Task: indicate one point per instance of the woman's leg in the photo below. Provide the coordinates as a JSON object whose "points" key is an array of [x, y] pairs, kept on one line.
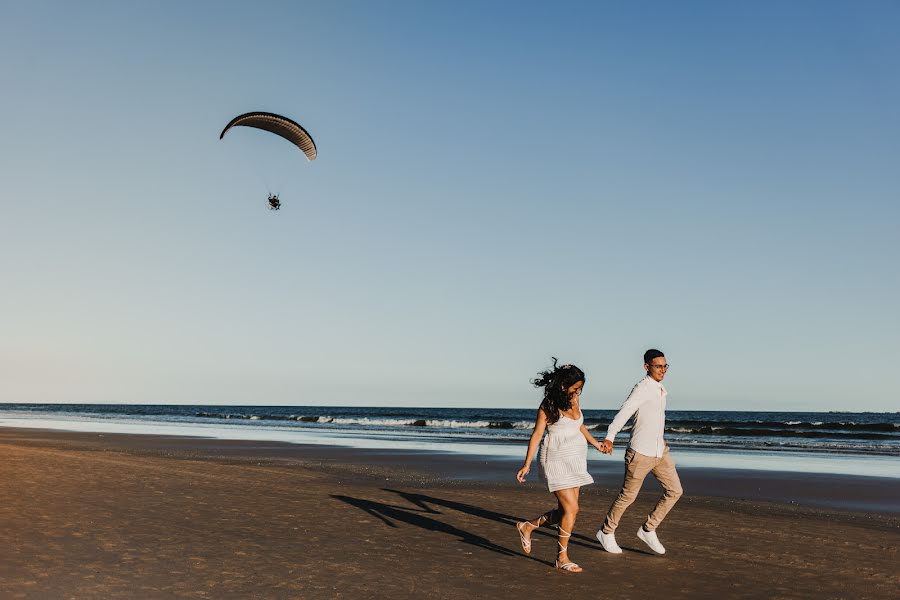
{"points": [[568, 502], [549, 518], [526, 528]]}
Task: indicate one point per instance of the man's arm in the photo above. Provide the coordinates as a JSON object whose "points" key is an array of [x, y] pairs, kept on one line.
{"points": [[629, 407]]}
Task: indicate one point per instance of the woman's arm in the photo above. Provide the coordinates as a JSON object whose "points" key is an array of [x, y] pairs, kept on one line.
{"points": [[590, 438], [540, 424]]}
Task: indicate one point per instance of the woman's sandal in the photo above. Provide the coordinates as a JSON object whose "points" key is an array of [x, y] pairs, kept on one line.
{"points": [[526, 541], [568, 566]]}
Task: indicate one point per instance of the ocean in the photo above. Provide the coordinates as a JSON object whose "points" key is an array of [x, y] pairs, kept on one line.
{"points": [[850, 442]]}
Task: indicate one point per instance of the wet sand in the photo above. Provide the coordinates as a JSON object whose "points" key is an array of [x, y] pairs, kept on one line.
{"points": [[113, 516]]}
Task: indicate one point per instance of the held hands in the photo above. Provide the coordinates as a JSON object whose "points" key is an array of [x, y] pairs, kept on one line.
{"points": [[520, 476], [606, 447]]}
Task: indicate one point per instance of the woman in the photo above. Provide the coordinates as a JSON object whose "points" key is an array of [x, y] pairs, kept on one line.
{"points": [[563, 455]]}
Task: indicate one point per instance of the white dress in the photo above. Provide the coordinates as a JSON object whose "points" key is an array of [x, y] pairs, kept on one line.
{"points": [[563, 455]]}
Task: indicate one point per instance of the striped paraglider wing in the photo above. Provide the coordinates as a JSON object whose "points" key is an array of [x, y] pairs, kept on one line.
{"points": [[281, 126]]}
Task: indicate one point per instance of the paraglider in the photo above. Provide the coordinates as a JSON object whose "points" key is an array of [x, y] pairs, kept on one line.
{"points": [[280, 126]]}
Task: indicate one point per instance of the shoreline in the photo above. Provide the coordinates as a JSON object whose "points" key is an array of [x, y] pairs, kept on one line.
{"points": [[722, 456], [808, 438], [119, 516], [839, 492]]}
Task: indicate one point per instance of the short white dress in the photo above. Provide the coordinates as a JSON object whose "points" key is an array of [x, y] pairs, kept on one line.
{"points": [[563, 455]]}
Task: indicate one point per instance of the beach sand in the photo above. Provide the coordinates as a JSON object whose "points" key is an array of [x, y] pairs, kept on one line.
{"points": [[114, 516]]}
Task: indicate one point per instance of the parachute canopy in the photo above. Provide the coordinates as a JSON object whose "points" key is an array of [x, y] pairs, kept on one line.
{"points": [[282, 126]]}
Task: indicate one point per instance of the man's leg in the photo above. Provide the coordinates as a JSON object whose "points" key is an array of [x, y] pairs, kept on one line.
{"points": [[636, 468], [667, 476]]}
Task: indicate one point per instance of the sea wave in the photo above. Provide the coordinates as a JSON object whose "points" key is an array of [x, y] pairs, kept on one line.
{"points": [[735, 432], [721, 428], [374, 422], [884, 426]]}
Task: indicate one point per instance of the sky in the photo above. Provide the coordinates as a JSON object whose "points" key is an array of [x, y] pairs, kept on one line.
{"points": [[497, 183]]}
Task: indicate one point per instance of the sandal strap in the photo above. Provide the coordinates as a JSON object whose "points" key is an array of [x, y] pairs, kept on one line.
{"points": [[569, 566], [526, 542], [563, 534]]}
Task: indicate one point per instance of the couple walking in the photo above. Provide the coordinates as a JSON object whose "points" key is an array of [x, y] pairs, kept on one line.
{"points": [[563, 455]]}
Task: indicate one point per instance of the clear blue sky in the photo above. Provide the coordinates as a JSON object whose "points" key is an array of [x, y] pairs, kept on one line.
{"points": [[496, 183]]}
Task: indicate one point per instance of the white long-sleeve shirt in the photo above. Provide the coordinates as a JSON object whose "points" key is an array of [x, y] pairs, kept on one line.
{"points": [[647, 402]]}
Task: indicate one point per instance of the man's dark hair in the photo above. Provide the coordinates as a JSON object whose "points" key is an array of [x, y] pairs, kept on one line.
{"points": [[652, 353]]}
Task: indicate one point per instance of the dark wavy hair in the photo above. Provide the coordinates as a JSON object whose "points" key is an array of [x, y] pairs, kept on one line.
{"points": [[556, 382]]}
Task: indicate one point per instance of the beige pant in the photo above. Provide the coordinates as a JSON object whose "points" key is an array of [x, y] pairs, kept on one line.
{"points": [[637, 466]]}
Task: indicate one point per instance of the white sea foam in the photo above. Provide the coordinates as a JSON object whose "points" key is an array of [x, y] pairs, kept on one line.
{"points": [[366, 421], [458, 424]]}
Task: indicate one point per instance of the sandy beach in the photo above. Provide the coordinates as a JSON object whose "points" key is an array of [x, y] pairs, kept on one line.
{"points": [[116, 516]]}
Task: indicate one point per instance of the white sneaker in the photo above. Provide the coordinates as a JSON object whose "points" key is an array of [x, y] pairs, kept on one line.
{"points": [[649, 538], [608, 541]]}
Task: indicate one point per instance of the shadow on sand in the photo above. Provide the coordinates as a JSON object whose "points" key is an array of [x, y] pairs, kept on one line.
{"points": [[423, 502], [389, 513], [421, 506]]}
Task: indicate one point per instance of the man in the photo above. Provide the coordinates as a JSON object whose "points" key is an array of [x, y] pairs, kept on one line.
{"points": [[647, 453]]}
